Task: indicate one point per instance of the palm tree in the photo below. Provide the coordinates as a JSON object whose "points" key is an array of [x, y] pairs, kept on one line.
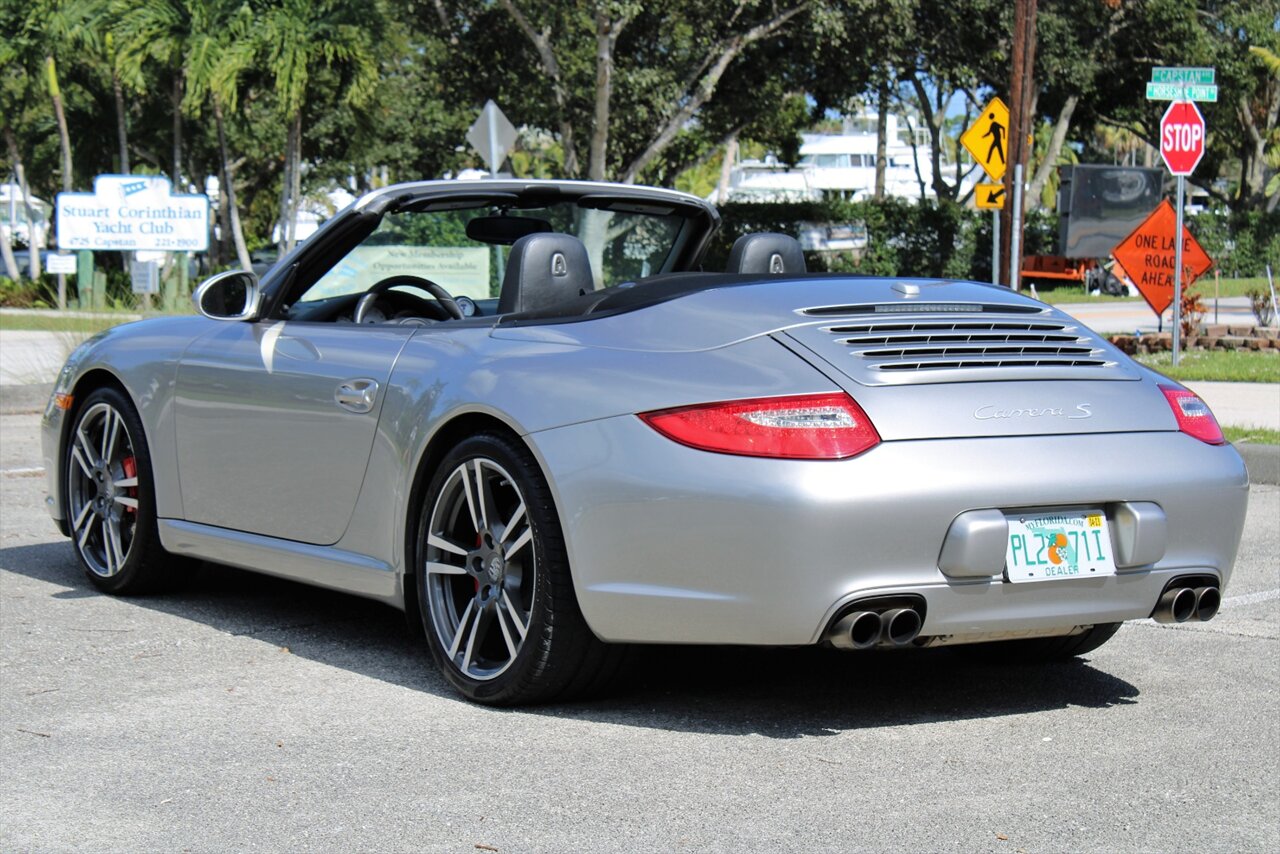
{"points": [[220, 51], [296, 38], [52, 27], [156, 31]]}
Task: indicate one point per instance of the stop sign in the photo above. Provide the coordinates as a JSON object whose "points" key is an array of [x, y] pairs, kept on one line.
{"points": [[1182, 137]]}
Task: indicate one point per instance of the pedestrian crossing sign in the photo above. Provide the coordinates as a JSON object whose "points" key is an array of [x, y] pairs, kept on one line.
{"points": [[987, 139]]}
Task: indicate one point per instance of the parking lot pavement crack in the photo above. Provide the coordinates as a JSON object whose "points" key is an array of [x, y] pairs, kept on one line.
{"points": [[249, 633]]}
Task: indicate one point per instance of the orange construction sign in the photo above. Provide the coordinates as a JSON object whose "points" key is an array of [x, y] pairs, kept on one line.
{"points": [[1147, 256]]}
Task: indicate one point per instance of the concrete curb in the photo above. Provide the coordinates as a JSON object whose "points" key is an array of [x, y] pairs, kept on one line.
{"points": [[17, 399], [1263, 462]]}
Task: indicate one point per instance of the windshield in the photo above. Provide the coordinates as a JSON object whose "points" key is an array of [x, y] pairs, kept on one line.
{"points": [[622, 246]]}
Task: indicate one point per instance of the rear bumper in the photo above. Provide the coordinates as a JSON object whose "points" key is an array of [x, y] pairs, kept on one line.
{"points": [[670, 544]]}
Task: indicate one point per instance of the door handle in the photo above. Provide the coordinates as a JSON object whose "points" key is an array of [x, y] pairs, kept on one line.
{"points": [[357, 395]]}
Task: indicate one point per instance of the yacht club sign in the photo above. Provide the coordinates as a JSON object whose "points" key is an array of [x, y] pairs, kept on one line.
{"points": [[133, 212]]}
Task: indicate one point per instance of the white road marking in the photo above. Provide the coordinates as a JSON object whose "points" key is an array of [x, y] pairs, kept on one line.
{"points": [[1250, 598], [22, 472]]}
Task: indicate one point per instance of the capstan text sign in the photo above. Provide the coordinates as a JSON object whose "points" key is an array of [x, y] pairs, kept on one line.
{"points": [[133, 212]]}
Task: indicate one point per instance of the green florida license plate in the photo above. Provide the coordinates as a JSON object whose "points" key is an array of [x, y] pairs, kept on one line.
{"points": [[1055, 546]]}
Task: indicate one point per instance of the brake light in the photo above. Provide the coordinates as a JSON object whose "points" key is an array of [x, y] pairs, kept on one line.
{"points": [[805, 427], [1194, 417]]}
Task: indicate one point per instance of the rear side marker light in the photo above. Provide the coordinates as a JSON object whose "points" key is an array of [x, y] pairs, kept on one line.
{"points": [[805, 427], [1193, 415]]}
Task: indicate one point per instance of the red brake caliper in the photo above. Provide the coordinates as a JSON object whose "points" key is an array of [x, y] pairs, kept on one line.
{"points": [[130, 466]]}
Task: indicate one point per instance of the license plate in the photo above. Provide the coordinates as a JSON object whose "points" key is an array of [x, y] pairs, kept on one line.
{"points": [[1055, 546]]}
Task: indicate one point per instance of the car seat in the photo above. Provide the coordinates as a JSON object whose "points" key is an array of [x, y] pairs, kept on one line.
{"points": [[766, 254], [542, 270]]}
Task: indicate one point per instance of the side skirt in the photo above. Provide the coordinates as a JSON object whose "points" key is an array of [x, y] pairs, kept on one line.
{"points": [[322, 566]]}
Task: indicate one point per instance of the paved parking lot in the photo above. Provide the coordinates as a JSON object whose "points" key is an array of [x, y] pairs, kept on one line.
{"points": [[251, 714]]}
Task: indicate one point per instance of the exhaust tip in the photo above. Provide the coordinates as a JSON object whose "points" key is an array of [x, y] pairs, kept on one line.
{"points": [[1176, 606], [900, 626], [858, 630], [1208, 601]]}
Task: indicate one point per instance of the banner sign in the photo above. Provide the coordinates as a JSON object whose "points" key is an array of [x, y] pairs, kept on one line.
{"points": [[131, 212]]}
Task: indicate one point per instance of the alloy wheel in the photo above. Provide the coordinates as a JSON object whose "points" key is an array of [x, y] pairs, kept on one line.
{"points": [[102, 489], [480, 568]]}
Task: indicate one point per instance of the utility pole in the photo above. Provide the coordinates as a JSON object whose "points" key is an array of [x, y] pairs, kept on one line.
{"points": [[1022, 92]]}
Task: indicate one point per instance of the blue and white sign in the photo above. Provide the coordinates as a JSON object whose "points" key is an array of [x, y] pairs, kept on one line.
{"points": [[132, 212]]}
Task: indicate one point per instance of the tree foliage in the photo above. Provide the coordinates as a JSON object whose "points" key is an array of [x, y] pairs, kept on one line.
{"points": [[283, 99]]}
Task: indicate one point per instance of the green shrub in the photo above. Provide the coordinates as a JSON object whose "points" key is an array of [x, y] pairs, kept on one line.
{"points": [[24, 294], [931, 238], [1241, 244]]}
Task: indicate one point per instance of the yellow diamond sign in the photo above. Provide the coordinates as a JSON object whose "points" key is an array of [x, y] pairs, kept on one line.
{"points": [[987, 139], [989, 196]]}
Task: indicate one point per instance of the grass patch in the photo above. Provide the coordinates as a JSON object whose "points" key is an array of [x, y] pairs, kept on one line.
{"points": [[1205, 287], [53, 321], [1072, 293], [1232, 287], [1231, 366], [1251, 435]]}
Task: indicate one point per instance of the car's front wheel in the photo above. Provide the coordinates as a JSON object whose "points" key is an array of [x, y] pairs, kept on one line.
{"points": [[497, 600], [111, 498]]}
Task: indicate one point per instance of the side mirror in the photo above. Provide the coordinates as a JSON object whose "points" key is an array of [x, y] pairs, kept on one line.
{"points": [[232, 295]]}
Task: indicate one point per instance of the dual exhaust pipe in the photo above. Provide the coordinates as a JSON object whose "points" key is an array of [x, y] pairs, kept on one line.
{"points": [[865, 629], [1179, 604]]}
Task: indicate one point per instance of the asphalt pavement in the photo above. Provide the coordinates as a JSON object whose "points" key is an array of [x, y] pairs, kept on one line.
{"points": [[243, 713]]}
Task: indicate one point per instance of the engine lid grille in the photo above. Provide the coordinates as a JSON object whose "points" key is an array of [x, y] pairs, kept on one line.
{"points": [[958, 344]]}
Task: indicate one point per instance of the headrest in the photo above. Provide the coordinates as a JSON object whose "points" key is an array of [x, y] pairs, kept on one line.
{"points": [[542, 270], [766, 254]]}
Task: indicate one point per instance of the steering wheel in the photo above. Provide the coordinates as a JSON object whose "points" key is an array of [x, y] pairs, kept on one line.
{"points": [[442, 297]]}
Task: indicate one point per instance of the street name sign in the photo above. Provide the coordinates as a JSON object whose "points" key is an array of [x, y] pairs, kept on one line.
{"points": [[1166, 74], [132, 212], [1148, 257], [1181, 92], [1182, 135], [987, 139], [989, 196]]}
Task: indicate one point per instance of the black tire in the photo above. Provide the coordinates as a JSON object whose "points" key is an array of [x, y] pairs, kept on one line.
{"points": [[497, 600], [109, 498], [1040, 650]]}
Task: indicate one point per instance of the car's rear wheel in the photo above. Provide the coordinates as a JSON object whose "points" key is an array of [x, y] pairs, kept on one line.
{"points": [[497, 600], [111, 497], [1033, 650]]}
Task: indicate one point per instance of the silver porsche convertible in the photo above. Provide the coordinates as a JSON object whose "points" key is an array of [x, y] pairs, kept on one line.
{"points": [[523, 412]]}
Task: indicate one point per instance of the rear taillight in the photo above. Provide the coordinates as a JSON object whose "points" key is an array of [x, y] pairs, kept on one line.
{"points": [[1194, 417], [806, 427]]}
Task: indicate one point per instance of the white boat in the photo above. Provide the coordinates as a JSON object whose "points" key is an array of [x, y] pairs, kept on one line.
{"points": [[843, 165], [15, 224]]}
